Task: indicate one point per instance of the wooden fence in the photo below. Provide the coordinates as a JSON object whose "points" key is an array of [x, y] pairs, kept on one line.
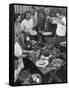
{"points": [[22, 9]]}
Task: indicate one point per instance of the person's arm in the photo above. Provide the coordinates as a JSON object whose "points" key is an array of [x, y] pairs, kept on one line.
{"points": [[60, 21], [17, 49], [36, 15], [45, 26], [35, 19], [64, 20], [22, 25]]}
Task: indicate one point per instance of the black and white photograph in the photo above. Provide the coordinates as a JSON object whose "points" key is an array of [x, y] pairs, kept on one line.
{"points": [[38, 39]]}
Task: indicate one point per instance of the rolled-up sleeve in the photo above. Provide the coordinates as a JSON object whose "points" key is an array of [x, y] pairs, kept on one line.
{"points": [[22, 25], [17, 50], [64, 20]]}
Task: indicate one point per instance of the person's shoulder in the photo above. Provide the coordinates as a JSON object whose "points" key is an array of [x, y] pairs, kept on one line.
{"points": [[23, 21], [64, 18]]}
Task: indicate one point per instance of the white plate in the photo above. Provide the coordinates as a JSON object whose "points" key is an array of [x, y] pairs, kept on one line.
{"points": [[47, 33], [42, 63], [63, 43], [33, 33]]}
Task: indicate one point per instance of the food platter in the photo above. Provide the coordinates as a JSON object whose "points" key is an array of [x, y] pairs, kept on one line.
{"points": [[42, 63], [56, 62]]}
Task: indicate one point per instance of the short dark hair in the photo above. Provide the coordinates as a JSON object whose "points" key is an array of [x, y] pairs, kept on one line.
{"points": [[16, 16], [61, 12], [26, 13]]}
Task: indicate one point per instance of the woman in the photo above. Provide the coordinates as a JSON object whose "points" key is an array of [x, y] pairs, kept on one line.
{"points": [[18, 34], [17, 25], [17, 47]]}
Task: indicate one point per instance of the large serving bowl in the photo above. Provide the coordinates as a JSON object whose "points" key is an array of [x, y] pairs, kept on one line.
{"points": [[46, 52]]}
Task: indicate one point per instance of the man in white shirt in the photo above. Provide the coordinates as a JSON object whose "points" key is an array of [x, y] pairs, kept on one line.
{"points": [[61, 28], [61, 25], [27, 23]]}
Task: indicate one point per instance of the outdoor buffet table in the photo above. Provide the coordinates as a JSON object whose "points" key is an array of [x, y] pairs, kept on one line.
{"points": [[35, 49], [50, 66], [54, 61]]}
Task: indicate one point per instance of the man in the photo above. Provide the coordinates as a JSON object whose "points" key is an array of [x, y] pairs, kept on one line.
{"points": [[27, 26], [41, 21], [60, 20], [27, 23]]}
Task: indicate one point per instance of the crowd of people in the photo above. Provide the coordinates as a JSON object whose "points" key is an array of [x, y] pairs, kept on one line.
{"points": [[32, 27]]}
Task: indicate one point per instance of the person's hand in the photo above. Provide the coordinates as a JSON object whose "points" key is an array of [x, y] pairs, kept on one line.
{"points": [[47, 18]]}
